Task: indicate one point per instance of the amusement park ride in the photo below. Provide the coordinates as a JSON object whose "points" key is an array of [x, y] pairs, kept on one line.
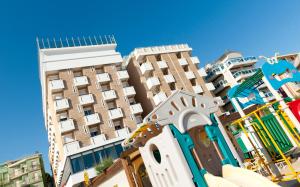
{"points": [[183, 143]]}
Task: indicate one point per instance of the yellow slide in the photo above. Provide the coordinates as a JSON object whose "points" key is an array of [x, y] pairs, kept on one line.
{"points": [[238, 177]]}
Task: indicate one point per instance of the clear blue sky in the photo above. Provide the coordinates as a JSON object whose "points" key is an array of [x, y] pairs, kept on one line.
{"points": [[209, 26]]}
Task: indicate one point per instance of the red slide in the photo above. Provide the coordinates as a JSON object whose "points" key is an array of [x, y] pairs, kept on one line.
{"points": [[295, 108]]}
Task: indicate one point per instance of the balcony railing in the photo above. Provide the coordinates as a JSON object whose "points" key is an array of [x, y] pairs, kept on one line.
{"points": [[61, 105], [182, 61], [99, 139], [71, 147], [210, 86], [103, 77], [129, 91], [146, 67], [56, 85], [152, 82], [195, 60], [86, 99], [66, 126], [202, 72], [122, 133], [92, 119], [81, 81], [197, 89], [115, 113], [123, 75], [109, 95], [169, 78], [162, 64], [190, 75], [136, 108], [160, 97]]}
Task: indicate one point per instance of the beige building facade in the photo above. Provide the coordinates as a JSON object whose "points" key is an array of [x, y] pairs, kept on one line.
{"points": [[156, 72], [88, 104]]}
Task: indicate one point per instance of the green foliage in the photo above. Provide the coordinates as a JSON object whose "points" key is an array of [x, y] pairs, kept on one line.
{"points": [[106, 163]]}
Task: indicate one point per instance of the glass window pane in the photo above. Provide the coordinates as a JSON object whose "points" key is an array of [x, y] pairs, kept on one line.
{"points": [[77, 164], [119, 149], [111, 152], [88, 160], [99, 156]]}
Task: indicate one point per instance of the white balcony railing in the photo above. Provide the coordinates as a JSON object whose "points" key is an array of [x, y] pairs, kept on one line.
{"points": [[71, 147], [56, 85], [129, 91], [115, 113], [92, 119], [146, 67], [182, 61], [109, 95], [103, 77], [99, 139], [86, 99], [190, 75], [81, 81], [197, 89], [210, 86], [122, 133], [136, 108], [160, 97], [152, 82], [61, 104], [202, 72], [195, 60], [123, 75], [66, 126], [169, 78], [162, 64]]}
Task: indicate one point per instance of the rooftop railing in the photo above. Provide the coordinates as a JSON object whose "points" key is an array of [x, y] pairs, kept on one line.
{"points": [[48, 43]]}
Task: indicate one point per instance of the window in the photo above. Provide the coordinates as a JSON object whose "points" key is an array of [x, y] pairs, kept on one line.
{"points": [[105, 87], [88, 159], [77, 73], [131, 101], [172, 86], [100, 70], [158, 58], [88, 111], [178, 55], [185, 68], [111, 152], [77, 163], [193, 82], [63, 116], [94, 131], [99, 155], [165, 71], [119, 149], [125, 84], [111, 105], [83, 91]]}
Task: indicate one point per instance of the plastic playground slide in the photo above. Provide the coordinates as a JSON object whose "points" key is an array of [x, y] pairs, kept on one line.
{"points": [[235, 176]]}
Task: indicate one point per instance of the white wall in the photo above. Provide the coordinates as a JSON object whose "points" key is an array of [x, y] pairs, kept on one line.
{"points": [[118, 180]]}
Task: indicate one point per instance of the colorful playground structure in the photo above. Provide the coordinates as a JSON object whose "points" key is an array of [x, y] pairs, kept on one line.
{"points": [[183, 143]]}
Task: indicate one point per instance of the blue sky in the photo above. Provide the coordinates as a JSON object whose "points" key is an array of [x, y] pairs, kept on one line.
{"points": [[210, 27]]}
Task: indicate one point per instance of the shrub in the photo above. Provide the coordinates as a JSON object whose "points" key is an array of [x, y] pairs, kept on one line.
{"points": [[106, 163]]}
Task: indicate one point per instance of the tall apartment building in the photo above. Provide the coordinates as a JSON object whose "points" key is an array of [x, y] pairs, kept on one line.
{"points": [[229, 70], [89, 106], [156, 72], [292, 89], [27, 171]]}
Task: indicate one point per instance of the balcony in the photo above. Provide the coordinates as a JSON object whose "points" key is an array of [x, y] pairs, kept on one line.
{"points": [[56, 85], [80, 81], [169, 78], [243, 74], [182, 61], [109, 95], [99, 139], [115, 113], [202, 72], [220, 86], [129, 91], [103, 78], [210, 86], [136, 108], [162, 64], [71, 147], [146, 67], [240, 61], [197, 89], [86, 99], [195, 60], [92, 119], [122, 133], [160, 97], [190, 75], [66, 126], [123, 75], [61, 105], [152, 82]]}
